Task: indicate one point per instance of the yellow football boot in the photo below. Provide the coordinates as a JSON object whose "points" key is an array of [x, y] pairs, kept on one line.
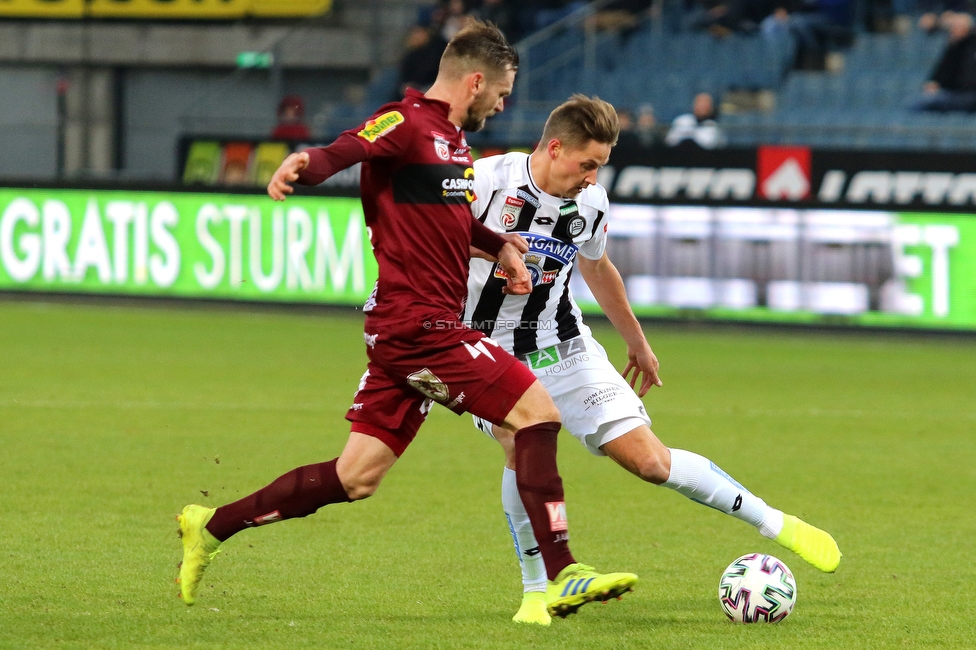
{"points": [[579, 584], [199, 549], [809, 542], [533, 609]]}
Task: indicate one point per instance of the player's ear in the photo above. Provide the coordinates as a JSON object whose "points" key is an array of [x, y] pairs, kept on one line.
{"points": [[554, 148], [476, 82]]}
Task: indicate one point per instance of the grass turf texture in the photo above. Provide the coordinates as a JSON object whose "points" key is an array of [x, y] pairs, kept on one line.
{"points": [[113, 418]]}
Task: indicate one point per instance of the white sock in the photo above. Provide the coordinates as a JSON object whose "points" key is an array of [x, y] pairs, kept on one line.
{"points": [[703, 481], [534, 575]]}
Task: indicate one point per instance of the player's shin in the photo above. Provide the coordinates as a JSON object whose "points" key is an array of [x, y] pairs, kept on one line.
{"points": [[541, 490], [298, 493], [526, 548], [703, 481]]}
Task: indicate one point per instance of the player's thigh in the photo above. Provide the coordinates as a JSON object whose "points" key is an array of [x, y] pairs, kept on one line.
{"points": [[535, 406], [386, 409], [596, 403], [640, 452]]}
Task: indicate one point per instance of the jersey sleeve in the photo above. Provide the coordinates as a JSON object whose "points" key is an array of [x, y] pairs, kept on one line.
{"points": [[387, 134], [596, 246]]}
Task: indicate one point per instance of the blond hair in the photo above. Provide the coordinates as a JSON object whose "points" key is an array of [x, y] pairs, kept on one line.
{"points": [[581, 119]]}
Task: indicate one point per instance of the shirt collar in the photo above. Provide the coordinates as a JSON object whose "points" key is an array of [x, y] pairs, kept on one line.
{"points": [[417, 96]]}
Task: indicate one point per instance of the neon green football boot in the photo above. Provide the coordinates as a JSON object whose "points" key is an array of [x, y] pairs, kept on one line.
{"points": [[533, 609], [579, 584], [199, 549], [809, 542]]}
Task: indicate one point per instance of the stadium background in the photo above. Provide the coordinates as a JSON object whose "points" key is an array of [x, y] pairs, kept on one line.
{"points": [[135, 140]]}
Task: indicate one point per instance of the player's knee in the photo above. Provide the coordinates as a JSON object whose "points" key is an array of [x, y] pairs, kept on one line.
{"points": [[359, 486], [358, 490], [655, 466]]}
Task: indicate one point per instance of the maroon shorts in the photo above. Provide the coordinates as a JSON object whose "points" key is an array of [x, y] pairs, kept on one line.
{"points": [[459, 368]]}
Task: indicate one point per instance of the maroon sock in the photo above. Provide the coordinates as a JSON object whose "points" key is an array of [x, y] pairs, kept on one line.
{"points": [[541, 490], [298, 493]]}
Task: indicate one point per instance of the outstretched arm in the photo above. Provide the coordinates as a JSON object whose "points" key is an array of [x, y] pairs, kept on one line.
{"points": [[607, 286]]}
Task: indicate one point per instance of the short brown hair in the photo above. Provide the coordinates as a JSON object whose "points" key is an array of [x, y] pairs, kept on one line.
{"points": [[581, 119], [479, 46]]}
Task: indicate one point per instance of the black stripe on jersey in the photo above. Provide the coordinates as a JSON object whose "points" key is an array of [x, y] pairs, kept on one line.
{"points": [[433, 184], [567, 326], [596, 222], [486, 311], [528, 174], [527, 214], [484, 215], [527, 333], [567, 213]]}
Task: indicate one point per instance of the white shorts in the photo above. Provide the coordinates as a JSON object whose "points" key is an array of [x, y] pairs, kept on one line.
{"points": [[596, 404]]}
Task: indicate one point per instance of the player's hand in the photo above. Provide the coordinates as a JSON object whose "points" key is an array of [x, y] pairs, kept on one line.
{"points": [[516, 240], [642, 361], [287, 173], [510, 259]]}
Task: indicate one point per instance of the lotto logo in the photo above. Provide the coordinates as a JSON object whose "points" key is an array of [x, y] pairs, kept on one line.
{"points": [[557, 515]]}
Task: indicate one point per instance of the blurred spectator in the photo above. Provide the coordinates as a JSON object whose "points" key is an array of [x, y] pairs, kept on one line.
{"points": [[817, 25], [291, 120], [952, 84], [453, 19], [698, 128], [723, 17], [418, 68], [620, 15], [628, 138], [936, 14], [547, 12], [647, 130], [500, 12]]}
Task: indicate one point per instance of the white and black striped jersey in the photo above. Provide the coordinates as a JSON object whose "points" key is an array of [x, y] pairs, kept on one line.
{"points": [[508, 200]]}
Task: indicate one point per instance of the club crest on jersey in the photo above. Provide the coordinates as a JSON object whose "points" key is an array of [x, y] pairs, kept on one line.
{"points": [[576, 226], [429, 384], [511, 211], [380, 126], [441, 146]]}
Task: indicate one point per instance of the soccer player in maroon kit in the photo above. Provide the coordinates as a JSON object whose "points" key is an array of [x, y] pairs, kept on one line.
{"points": [[417, 185]]}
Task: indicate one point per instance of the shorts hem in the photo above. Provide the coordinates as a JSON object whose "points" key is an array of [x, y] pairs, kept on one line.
{"points": [[396, 445]]}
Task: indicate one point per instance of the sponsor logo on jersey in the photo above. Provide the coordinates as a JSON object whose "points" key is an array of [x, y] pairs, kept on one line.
{"points": [[528, 198], [557, 515], [511, 211], [429, 384], [576, 226], [544, 221], [441, 146], [563, 252], [460, 187], [569, 208], [380, 126], [566, 354]]}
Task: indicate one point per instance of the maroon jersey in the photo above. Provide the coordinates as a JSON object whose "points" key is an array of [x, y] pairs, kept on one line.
{"points": [[417, 184]]}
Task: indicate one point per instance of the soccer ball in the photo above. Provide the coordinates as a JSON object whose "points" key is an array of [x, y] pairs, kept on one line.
{"points": [[757, 587]]}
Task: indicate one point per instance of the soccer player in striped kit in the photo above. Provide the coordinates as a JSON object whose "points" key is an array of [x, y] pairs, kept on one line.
{"points": [[551, 199]]}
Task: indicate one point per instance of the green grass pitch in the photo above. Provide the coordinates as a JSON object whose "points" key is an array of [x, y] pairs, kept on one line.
{"points": [[114, 417]]}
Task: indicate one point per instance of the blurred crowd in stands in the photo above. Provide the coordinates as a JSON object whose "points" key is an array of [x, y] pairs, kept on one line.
{"points": [[819, 29]]}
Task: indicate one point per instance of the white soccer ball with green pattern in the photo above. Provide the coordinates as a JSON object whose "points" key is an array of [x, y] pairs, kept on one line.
{"points": [[757, 588]]}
